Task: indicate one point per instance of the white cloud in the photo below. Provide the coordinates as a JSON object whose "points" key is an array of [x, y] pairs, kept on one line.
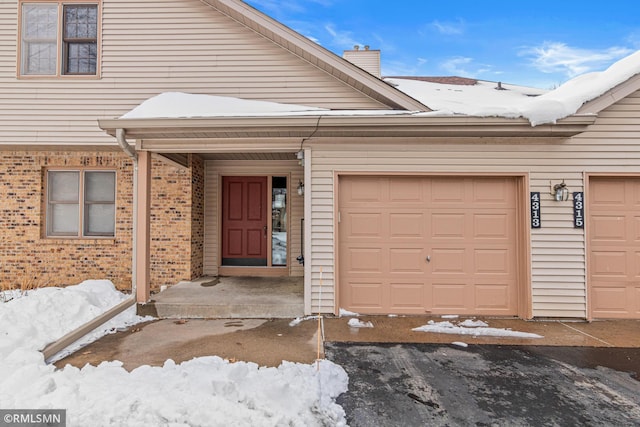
{"points": [[556, 57], [448, 28], [458, 66], [344, 39]]}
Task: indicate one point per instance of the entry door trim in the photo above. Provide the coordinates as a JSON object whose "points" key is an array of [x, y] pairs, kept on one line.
{"points": [[266, 271]]}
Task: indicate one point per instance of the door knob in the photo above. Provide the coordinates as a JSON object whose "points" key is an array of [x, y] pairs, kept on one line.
{"points": [[428, 259]]}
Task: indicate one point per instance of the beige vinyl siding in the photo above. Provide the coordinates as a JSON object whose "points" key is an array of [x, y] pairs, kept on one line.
{"points": [[149, 47], [216, 168], [558, 266]]}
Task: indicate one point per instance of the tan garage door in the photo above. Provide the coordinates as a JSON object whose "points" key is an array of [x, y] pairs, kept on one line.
{"points": [[416, 245], [614, 235]]}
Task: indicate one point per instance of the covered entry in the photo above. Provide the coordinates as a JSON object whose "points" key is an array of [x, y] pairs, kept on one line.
{"points": [[420, 244], [614, 247]]}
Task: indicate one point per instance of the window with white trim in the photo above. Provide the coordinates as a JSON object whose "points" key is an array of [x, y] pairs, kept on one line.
{"points": [[58, 38], [81, 203]]}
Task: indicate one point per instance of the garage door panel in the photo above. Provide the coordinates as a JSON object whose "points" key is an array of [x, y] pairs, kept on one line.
{"points": [[407, 297], [447, 191], [365, 260], [448, 225], [451, 298], [366, 295], [496, 192], [493, 226], [610, 299], [429, 246], [608, 228], [407, 225], [364, 189], [448, 261], [406, 260], [493, 261], [363, 225], [407, 190], [607, 193], [607, 264], [493, 297]]}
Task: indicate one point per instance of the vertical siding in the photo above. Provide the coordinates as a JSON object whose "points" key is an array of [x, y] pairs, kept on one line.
{"points": [[558, 266], [215, 168], [210, 259], [149, 47]]}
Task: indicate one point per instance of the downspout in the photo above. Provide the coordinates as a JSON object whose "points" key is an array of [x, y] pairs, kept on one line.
{"points": [[131, 152], [60, 344]]}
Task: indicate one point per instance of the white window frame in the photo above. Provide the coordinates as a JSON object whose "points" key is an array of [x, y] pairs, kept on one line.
{"points": [[61, 48], [83, 204]]}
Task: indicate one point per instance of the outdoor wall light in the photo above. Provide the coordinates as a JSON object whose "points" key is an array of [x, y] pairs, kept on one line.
{"points": [[300, 157], [300, 189], [560, 192]]}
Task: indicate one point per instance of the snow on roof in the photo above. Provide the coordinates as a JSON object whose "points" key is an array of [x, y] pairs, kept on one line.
{"points": [[536, 105], [179, 105], [483, 99]]}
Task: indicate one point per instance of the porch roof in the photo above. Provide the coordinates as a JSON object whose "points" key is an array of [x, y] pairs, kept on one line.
{"points": [[283, 133]]}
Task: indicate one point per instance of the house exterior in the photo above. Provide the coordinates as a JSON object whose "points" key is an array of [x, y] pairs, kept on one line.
{"points": [[401, 213]]}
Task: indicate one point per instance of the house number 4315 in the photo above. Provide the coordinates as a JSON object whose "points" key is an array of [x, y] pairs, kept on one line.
{"points": [[578, 209]]}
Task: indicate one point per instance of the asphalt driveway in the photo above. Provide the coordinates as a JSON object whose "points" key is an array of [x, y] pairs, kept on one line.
{"points": [[488, 385]]}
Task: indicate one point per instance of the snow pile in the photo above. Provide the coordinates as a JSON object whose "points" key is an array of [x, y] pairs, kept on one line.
{"points": [[347, 313], [41, 316], [298, 320], [474, 328], [206, 391], [357, 323]]}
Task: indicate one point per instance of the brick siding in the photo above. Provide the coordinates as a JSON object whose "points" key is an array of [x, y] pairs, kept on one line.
{"points": [[26, 255]]}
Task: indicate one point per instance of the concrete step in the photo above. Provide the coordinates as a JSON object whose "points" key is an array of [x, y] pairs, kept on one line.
{"points": [[229, 297], [227, 311]]}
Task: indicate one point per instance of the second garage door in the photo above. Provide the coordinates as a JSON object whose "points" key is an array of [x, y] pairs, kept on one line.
{"points": [[428, 245], [614, 230]]}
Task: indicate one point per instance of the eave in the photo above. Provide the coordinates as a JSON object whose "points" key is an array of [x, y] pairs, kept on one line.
{"points": [[281, 133]]}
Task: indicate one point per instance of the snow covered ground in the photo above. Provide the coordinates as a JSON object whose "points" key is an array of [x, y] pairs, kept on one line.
{"points": [[206, 391]]}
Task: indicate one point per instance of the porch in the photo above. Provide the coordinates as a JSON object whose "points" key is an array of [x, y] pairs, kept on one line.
{"points": [[229, 297]]}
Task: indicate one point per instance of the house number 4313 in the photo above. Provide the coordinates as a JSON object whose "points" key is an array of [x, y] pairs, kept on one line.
{"points": [[535, 209]]}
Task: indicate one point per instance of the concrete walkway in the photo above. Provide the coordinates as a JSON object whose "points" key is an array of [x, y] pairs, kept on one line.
{"points": [[269, 342]]}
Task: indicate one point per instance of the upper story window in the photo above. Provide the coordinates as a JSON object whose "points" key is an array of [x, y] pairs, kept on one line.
{"points": [[59, 38]]}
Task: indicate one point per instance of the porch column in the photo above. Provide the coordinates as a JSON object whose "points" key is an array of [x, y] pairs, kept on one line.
{"points": [[143, 232]]}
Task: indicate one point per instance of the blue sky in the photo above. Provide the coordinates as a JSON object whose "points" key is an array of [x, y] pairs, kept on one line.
{"points": [[538, 43]]}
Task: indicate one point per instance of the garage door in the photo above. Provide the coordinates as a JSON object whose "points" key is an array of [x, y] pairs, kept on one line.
{"points": [[614, 235], [439, 245]]}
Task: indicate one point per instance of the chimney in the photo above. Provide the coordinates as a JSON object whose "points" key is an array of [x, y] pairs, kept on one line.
{"points": [[367, 59]]}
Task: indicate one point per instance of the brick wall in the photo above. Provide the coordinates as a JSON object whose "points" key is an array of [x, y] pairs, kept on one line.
{"points": [[197, 216], [27, 256]]}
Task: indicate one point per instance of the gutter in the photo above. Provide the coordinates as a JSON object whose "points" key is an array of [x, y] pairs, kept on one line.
{"points": [[60, 344]]}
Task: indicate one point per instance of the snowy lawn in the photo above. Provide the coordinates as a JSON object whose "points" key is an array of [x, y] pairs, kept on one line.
{"points": [[205, 391]]}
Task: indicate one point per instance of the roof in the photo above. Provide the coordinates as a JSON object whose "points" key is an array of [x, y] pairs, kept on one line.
{"points": [[315, 54]]}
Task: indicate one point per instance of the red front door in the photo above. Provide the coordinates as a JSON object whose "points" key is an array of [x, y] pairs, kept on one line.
{"points": [[244, 221]]}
